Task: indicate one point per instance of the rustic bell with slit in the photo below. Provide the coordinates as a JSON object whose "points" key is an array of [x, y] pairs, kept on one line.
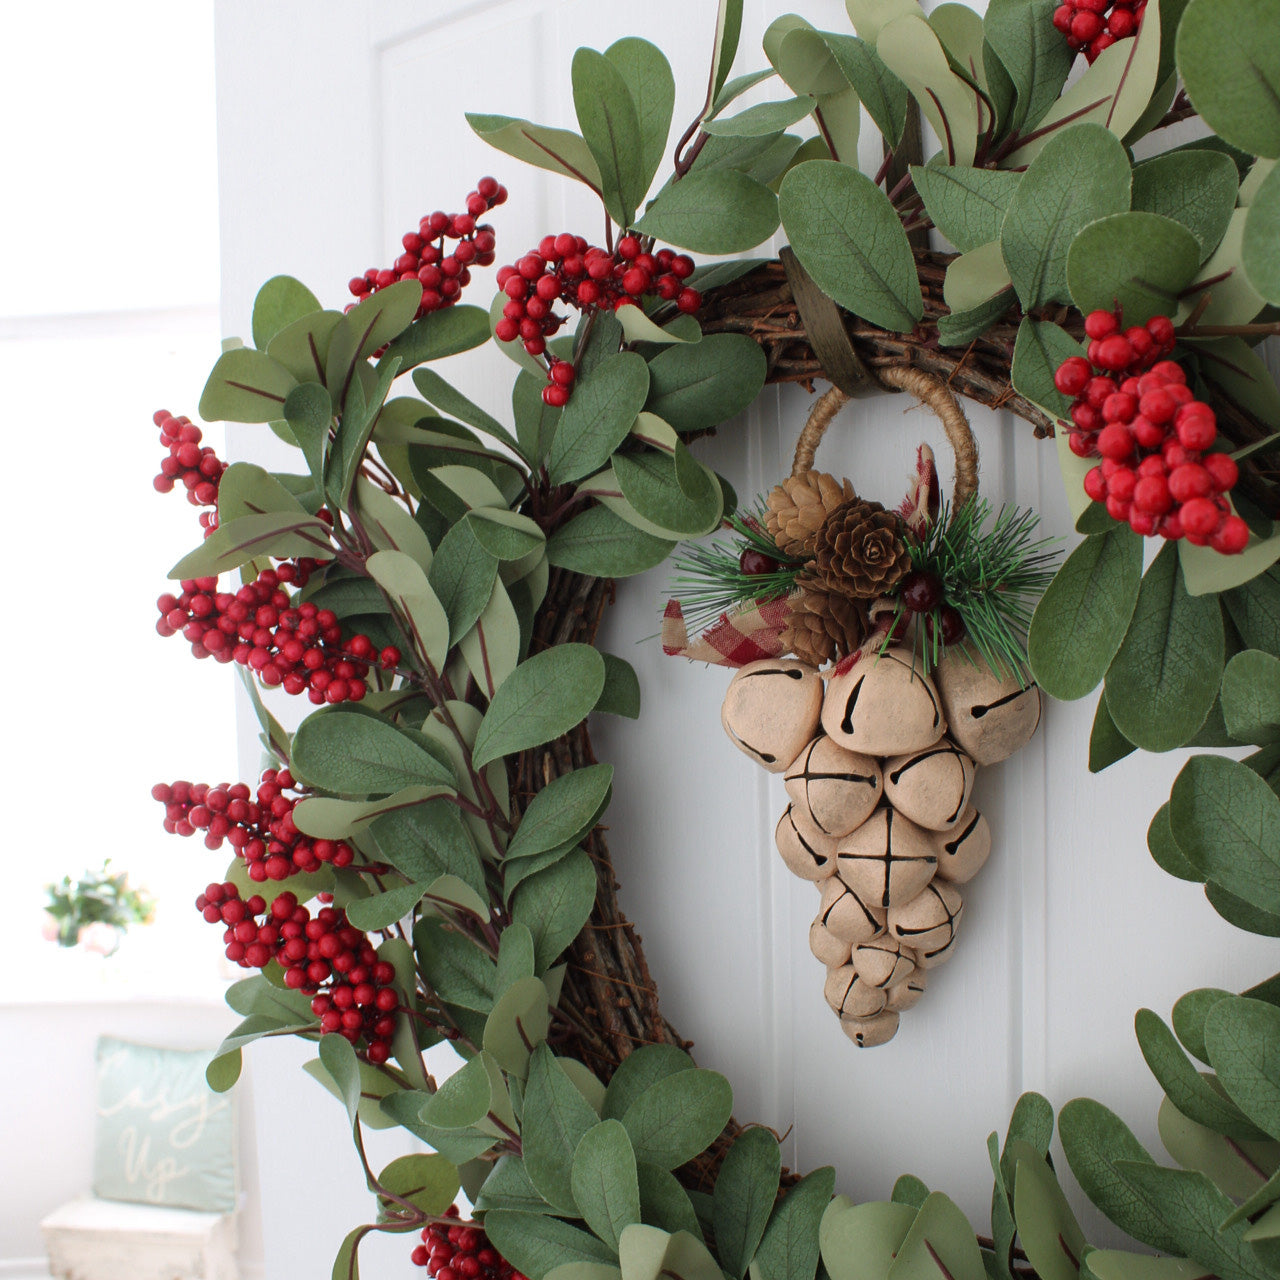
{"points": [[835, 788], [849, 996], [826, 947], [931, 787], [963, 851], [927, 924], [888, 860], [771, 710], [808, 852], [906, 995], [866, 1033], [883, 705], [989, 717], [883, 962], [846, 915]]}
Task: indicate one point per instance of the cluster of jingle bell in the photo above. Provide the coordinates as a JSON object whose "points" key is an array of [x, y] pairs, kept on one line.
{"points": [[879, 764]]}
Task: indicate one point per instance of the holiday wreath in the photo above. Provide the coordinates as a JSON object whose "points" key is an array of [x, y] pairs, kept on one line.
{"points": [[423, 860]]}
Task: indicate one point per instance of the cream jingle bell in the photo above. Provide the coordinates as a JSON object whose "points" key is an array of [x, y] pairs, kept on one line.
{"points": [[771, 710], [879, 730]]}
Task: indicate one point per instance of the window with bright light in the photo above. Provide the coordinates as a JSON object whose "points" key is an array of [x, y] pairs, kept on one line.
{"points": [[108, 311]]}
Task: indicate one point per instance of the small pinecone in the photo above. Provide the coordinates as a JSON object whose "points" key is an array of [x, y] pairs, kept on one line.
{"points": [[799, 506], [859, 550], [824, 625]]}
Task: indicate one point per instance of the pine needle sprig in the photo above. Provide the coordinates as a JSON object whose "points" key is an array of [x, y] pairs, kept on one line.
{"points": [[993, 577], [709, 579]]}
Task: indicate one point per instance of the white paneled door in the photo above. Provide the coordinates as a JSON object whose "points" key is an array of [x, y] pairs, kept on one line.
{"points": [[340, 124]]}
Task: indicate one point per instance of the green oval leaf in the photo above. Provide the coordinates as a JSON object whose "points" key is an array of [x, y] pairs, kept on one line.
{"points": [[562, 811], [555, 903], [700, 386], [1227, 821], [1260, 249], [246, 386], [408, 588], [556, 1117], [647, 75], [545, 696], [1195, 188], [598, 417], [1251, 697], [678, 1117], [745, 1191], [517, 1025], [850, 240], [764, 118], [279, 303], [712, 211], [1139, 261], [603, 545], [557, 150], [1243, 1040], [352, 752], [1165, 676], [609, 123], [1232, 70], [1081, 174], [1093, 1139], [1185, 1087], [606, 1185], [274, 533], [967, 205], [537, 1244], [1081, 619]]}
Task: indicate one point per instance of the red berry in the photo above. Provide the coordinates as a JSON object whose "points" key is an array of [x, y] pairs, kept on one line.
{"points": [[1223, 471], [1231, 538], [1072, 376], [1151, 495], [1115, 442], [1161, 329], [1115, 353], [1190, 481]]}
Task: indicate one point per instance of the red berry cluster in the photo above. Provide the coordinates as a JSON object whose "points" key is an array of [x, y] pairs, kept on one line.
{"points": [[442, 275], [298, 647], [1152, 435], [196, 465], [325, 957], [1095, 25], [460, 1252], [260, 829], [565, 268]]}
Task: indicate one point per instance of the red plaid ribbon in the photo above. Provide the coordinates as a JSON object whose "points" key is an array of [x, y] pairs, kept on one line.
{"points": [[747, 634]]}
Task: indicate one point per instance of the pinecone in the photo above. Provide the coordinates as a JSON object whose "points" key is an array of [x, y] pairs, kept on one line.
{"points": [[798, 507], [824, 625], [859, 550]]}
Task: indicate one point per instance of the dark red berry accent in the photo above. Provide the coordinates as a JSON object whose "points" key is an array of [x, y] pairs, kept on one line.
{"points": [[753, 562], [921, 591]]}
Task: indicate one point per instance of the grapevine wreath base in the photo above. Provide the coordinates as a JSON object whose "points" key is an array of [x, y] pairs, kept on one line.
{"points": [[423, 860]]}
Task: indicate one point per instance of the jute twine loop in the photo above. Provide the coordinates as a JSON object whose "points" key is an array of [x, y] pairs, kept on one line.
{"points": [[930, 391]]}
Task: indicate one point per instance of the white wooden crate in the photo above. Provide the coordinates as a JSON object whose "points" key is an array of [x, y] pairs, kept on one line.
{"points": [[92, 1239]]}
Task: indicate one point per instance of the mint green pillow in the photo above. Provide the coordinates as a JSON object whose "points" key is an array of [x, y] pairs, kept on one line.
{"points": [[163, 1136]]}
